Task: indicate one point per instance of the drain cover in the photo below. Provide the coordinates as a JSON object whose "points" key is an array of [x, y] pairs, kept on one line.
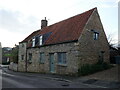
{"points": [[90, 81]]}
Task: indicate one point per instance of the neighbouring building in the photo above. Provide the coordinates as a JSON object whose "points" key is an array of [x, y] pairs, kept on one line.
{"points": [[6, 54], [63, 47], [114, 52], [0, 53]]}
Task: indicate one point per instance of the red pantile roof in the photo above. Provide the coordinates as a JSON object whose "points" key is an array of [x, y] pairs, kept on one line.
{"points": [[66, 30]]}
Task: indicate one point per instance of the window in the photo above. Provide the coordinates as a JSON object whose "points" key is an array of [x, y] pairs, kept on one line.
{"points": [[30, 57], [42, 58], [61, 58], [36, 40], [95, 35], [41, 37], [22, 57], [33, 42]]}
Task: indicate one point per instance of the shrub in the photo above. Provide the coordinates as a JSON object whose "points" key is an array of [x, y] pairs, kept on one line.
{"points": [[87, 69]]}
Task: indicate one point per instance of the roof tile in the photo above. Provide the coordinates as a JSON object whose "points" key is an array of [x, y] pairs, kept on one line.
{"points": [[66, 30]]}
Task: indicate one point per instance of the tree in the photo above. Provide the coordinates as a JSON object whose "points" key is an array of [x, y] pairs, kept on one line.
{"points": [[111, 41], [14, 54]]}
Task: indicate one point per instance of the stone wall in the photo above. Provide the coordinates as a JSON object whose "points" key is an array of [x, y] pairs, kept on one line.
{"points": [[71, 50], [13, 66], [90, 49], [22, 63]]}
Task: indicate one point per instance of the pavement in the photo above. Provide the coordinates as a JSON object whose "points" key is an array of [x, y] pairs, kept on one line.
{"points": [[103, 79]]}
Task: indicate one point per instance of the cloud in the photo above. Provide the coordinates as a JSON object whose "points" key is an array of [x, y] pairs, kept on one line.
{"points": [[16, 22], [9, 39], [24, 16]]}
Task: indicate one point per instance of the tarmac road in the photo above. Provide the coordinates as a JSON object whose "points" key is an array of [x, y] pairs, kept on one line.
{"points": [[12, 79]]}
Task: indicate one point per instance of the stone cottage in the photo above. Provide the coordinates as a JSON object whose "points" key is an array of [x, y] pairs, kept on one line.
{"points": [[65, 46]]}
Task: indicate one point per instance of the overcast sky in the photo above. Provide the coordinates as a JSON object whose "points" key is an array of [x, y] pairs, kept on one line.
{"points": [[19, 18]]}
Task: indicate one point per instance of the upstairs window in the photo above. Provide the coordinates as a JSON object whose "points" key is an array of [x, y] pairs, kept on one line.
{"points": [[95, 35], [62, 58], [41, 40], [33, 42], [36, 40], [42, 58]]}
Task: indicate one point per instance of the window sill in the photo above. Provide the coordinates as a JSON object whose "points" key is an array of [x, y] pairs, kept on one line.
{"points": [[65, 65]]}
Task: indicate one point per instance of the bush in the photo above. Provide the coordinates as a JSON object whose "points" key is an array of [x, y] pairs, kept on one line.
{"points": [[87, 69]]}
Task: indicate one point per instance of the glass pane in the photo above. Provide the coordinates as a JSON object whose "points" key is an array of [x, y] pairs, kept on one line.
{"points": [[41, 57]]}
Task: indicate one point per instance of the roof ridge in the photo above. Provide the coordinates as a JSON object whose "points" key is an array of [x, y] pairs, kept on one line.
{"points": [[66, 30], [72, 17]]}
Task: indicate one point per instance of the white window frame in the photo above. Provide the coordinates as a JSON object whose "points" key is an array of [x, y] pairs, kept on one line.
{"points": [[33, 42], [96, 36], [41, 39]]}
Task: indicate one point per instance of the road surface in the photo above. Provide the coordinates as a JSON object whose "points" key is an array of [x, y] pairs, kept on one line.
{"points": [[26, 80]]}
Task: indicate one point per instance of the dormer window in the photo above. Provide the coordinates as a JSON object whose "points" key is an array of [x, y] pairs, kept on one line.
{"points": [[41, 40], [33, 42]]}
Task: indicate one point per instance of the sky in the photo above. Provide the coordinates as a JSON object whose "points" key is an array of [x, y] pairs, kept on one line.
{"points": [[19, 18]]}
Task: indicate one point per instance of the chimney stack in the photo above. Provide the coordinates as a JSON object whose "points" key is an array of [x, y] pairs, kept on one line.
{"points": [[44, 23]]}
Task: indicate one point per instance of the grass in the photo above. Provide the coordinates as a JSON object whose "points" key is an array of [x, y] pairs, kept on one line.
{"points": [[87, 69]]}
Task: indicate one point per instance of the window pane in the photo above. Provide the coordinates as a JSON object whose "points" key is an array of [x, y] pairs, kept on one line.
{"points": [[30, 56], [59, 58], [95, 35], [42, 58], [22, 57], [62, 58]]}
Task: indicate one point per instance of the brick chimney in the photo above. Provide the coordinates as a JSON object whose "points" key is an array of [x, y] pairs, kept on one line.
{"points": [[44, 23]]}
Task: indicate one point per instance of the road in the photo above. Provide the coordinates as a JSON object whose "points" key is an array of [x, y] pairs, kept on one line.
{"points": [[26, 80]]}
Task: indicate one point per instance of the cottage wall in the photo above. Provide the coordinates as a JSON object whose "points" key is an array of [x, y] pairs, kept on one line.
{"points": [[90, 49], [71, 50], [22, 63]]}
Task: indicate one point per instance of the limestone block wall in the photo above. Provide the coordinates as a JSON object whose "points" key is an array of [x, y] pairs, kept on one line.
{"points": [[71, 49], [90, 49], [22, 63], [13, 66]]}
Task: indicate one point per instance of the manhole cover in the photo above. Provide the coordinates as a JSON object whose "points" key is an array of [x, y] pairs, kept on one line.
{"points": [[90, 81]]}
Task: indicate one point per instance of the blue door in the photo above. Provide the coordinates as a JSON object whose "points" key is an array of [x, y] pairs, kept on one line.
{"points": [[52, 68]]}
